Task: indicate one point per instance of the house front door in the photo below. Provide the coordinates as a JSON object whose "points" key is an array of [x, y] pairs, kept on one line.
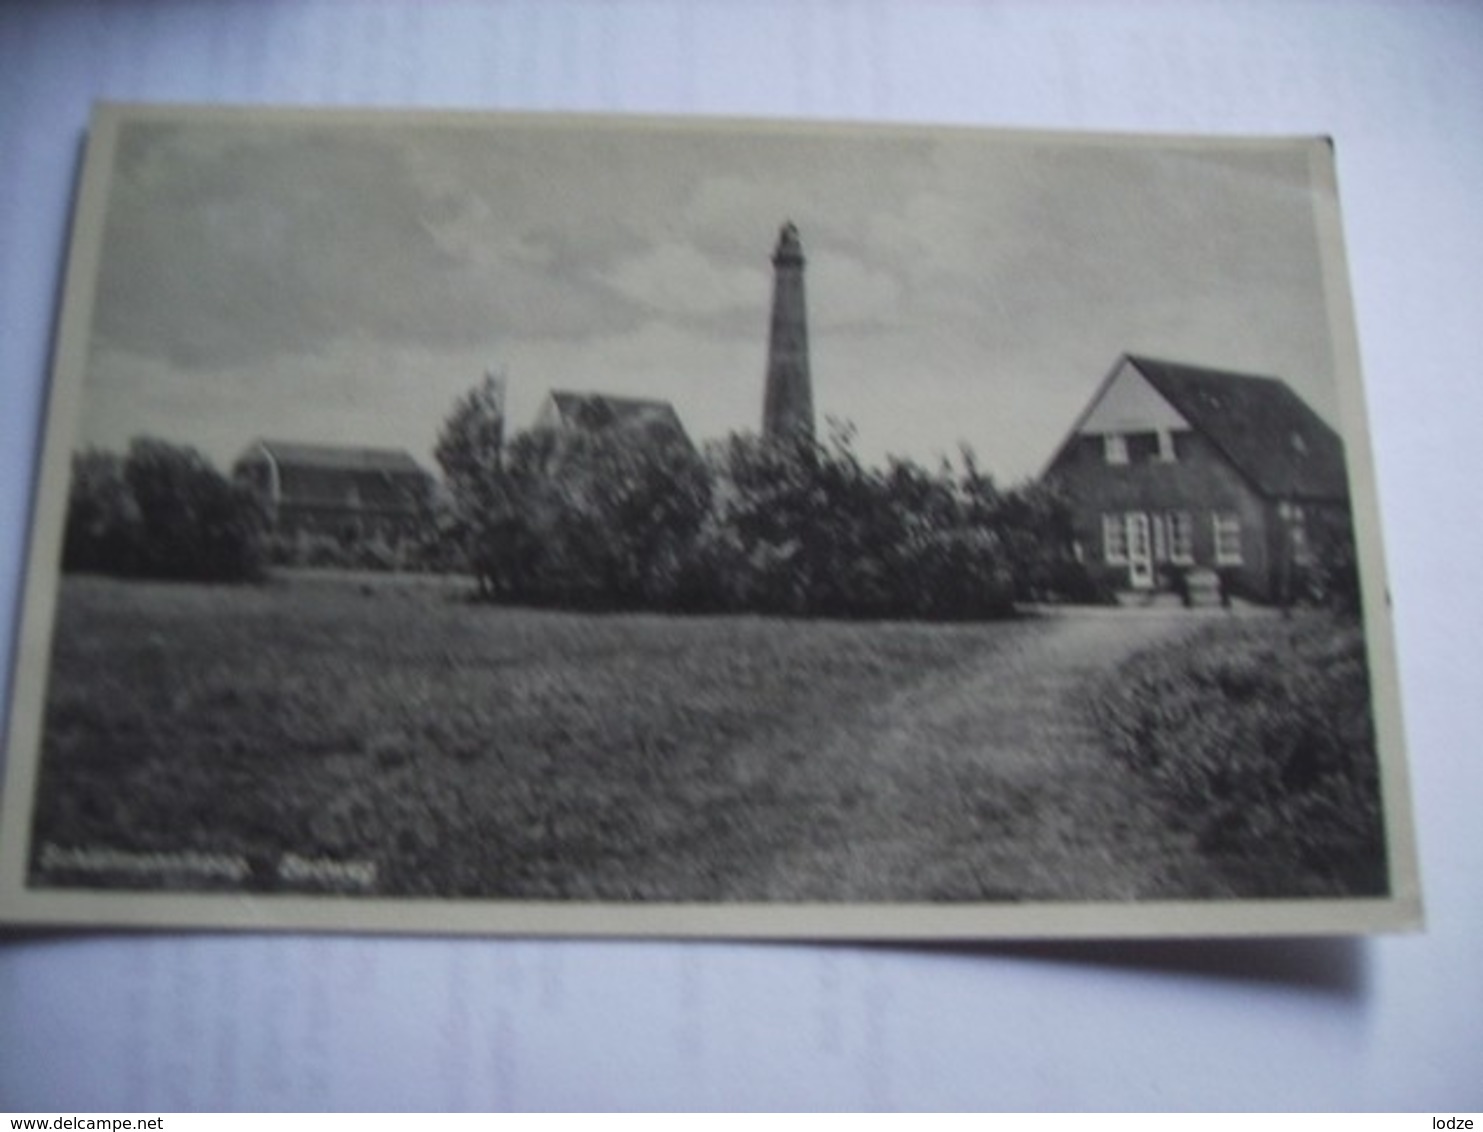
{"points": [[1140, 552]]}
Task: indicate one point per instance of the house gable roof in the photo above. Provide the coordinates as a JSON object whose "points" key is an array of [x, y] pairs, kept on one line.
{"points": [[594, 412], [1259, 424], [1130, 403], [327, 457], [1263, 429]]}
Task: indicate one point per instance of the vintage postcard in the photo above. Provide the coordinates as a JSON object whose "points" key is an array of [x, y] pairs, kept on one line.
{"points": [[531, 524]]}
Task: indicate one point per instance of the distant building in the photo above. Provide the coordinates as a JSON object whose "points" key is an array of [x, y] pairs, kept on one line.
{"points": [[1175, 470], [788, 403], [564, 411], [339, 492]]}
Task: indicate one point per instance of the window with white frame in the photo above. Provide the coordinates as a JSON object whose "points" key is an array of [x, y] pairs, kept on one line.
{"points": [[1302, 545], [1227, 530], [1114, 539], [1115, 448], [1182, 538]]}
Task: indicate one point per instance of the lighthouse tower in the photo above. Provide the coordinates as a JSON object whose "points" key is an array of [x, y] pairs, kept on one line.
{"points": [[788, 405]]}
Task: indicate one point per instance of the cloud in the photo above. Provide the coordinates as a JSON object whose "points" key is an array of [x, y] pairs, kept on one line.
{"points": [[677, 279], [281, 240], [845, 293]]}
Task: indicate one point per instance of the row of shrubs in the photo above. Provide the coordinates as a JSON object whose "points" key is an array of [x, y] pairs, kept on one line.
{"points": [[1258, 735], [616, 520], [162, 511], [633, 519], [621, 519]]}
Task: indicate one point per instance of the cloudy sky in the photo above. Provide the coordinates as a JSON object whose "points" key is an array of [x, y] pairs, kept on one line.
{"points": [[346, 279]]}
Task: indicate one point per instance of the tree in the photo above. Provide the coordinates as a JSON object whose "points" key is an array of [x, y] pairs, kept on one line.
{"points": [[1330, 574], [471, 453], [194, 523], [161, 511], [470, 447], [632, 501], [1034, 519], [806, 528], [102, 530], [600, 519]]}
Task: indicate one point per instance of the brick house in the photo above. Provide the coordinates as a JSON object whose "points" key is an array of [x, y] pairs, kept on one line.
{"points": [[564, 411], [1180, 476]]}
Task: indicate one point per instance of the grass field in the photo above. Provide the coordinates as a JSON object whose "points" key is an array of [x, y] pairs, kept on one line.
{"points": [[472, 750], [464, 749]]}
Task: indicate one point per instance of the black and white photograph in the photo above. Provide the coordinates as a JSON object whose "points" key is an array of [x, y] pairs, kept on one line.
{"points": [[466, 522]]}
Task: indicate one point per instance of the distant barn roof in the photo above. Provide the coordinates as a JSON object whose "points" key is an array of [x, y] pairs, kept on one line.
{"points": [[595, 412], [337, 458], [1262, 427]]}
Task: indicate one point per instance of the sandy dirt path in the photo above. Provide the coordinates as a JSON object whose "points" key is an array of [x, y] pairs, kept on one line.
{"points": [[992, 784]]}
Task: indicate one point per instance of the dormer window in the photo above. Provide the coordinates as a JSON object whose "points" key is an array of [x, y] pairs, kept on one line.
{"points": [[1146, 446]]}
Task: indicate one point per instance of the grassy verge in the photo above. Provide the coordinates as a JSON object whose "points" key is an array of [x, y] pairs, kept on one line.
{"points": [[1258, 736]]}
